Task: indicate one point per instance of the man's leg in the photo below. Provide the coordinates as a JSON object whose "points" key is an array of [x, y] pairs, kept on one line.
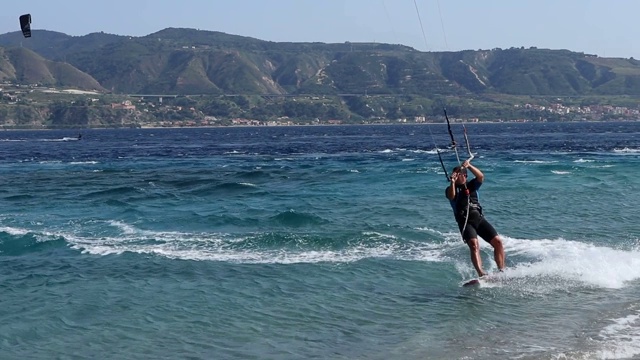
{"points": [[474, 248], [498, 251]]}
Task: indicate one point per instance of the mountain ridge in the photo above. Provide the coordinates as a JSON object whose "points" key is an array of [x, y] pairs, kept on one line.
{"points": [[188, 61]]}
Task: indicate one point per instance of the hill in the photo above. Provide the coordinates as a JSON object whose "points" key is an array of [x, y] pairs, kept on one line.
{"points": [[188, 61], [24, 66]]}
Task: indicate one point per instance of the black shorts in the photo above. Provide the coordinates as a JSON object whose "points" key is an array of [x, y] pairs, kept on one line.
{"points": [[478, 227]]}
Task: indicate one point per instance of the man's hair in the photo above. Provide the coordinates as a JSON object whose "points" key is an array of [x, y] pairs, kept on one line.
{"points": [[459, 169]]}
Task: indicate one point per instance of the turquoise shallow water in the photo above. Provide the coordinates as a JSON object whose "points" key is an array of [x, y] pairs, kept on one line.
{"points": [[317, 242]]}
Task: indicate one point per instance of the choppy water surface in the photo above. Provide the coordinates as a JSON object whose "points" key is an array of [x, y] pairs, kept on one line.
{"points": [[317, 242]]}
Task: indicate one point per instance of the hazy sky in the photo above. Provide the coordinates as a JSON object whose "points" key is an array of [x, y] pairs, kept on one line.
{"points": [[608, 28]]}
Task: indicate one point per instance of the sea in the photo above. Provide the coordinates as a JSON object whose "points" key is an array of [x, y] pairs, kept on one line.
{"points": [[317, 242]]}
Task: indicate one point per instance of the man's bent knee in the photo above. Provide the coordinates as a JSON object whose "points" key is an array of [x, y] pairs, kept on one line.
{"points": [[496, 242]]}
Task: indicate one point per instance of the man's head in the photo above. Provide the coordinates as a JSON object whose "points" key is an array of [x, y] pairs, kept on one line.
{"points": [[460, 174]]}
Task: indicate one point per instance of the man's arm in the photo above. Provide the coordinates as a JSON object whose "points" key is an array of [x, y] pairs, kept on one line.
{"points": [[450, 192], [474, 170]]}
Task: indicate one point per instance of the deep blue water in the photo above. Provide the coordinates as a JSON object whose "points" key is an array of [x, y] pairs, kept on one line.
{"points": [[317, 242]]}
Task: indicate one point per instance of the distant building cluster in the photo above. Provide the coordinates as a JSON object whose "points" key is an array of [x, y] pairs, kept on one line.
{"points": [[125, 105], [150, 111], [593, 112]]}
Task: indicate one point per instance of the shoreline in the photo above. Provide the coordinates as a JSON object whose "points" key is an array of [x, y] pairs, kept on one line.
{"points": [[315, 125]]}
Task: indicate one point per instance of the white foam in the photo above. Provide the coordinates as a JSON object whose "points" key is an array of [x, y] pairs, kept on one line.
{"points": [[566, 260], [14, 231], [380, 235], [626, 150], [430, 152], [83, 162], [535, 161], [593, 265], [51, 162], [126, 228], [248, 184], [228, 247], [221, 252], [621, 338], [40, 236]]}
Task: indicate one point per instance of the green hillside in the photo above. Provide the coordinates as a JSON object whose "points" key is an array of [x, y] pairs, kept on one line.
{"points": [[188, 61], [207, 76]]}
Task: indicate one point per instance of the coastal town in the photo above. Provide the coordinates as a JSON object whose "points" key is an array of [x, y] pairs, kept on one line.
{"points": [[182, 111]]}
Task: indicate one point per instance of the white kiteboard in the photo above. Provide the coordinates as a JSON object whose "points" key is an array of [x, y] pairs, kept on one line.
{"points": [[479, 280]]}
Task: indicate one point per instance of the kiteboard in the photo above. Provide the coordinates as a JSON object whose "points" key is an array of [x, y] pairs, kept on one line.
{"points": [[471, 282], [485, 279]]}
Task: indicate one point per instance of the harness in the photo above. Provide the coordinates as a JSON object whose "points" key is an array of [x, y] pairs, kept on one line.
{"points": [[462, 210]]}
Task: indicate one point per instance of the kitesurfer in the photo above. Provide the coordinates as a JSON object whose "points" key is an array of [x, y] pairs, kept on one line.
{"points": [[463, 196]]}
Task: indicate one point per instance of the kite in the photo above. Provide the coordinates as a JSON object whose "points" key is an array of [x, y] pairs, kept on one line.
{"points": [[25, 25]]}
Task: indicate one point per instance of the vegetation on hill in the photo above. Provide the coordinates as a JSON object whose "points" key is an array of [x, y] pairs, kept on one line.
{"points": [[225, 76]]}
